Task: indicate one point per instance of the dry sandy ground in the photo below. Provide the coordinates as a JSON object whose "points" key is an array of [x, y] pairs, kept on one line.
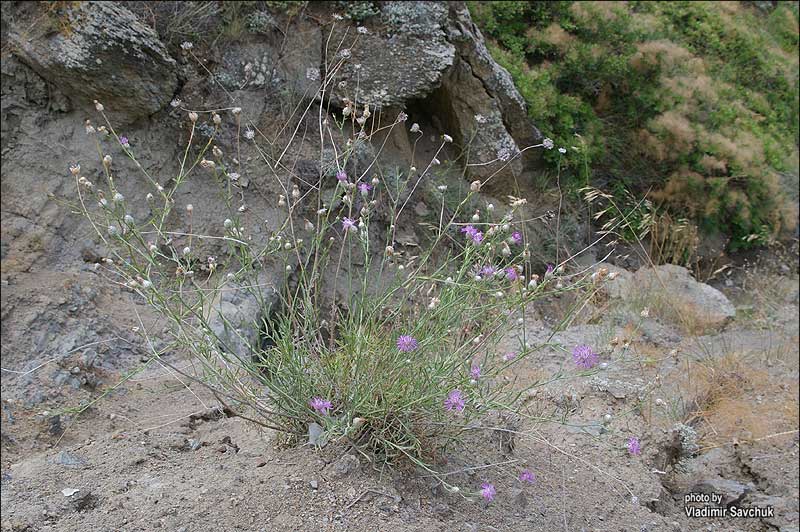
{"points": [[156, 454]]}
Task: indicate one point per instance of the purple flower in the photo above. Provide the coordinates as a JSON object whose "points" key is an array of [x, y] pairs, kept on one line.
{"points": [[527, 476], [511, 274], [634, 447], [550, 269], [364, 188], [584, 356], [454, 401], [470, 231], [516, 237], [475, 372], [348, 224], [509, 356], [488, 492], [488, 271], [477, 237], [406, 343], [124, 141], [341, 175], [322, 406]]}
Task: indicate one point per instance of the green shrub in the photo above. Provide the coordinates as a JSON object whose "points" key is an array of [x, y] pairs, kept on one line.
{"points": [[696, 101]]}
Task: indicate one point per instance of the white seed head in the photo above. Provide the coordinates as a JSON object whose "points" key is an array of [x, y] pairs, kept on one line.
{"points": [[442, 188], [447, 138], [415, 128], [645, 312], [490, 207], [192, 116], [375, 181], [98, 106], [153, 248], [118, 198], [128, 219], [146, 284], [189, 208], [475, 186], [236, 111], [216, 118], [287, 245], [107, 160], [309, 226], [187, 250], [476, 217], [149, 197], [113, 231]]}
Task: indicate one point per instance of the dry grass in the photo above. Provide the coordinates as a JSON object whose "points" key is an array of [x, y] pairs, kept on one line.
{"points": [[730, 399]]}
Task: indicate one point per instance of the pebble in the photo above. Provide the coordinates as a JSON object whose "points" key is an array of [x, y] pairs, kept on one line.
{"points": [[314, 484]]}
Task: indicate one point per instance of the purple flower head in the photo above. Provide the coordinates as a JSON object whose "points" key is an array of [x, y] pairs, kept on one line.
{"points": [[348, 224], [516, 237], [322, 406], [584, 356], [527, 476], [509, 356], [550, 269], [475, 372], [470, 231], [488, 492], [364, 188], [488, 271], [406, 343], [634, 447], [341, 175], [477, 237], [124, 141], [511, 274], [454, 401]]}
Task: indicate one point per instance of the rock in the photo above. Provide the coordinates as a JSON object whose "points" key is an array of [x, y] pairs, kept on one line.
{"points": [[238, 313], [730, 490], [316, 434], [314, 484], [69, 460], [702, 305], [94, 50], [620, 286], [345, 465], [431, 52], [404, 60]]}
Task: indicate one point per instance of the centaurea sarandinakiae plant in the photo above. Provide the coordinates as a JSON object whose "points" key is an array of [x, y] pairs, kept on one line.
{"points": [[394, 353]]}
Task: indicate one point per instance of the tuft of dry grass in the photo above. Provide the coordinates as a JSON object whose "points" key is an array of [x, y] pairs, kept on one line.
{"points": [[731, 399]]}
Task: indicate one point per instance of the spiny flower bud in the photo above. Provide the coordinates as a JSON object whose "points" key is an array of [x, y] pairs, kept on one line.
{"points": [[281, 200], [217, 152], [295, 192], [475, 186], [189, 208], [98, 106], [447, 138], [205, 163], [107, 160], [236, 111], [75, 169], [193, 116], [309, 226], [216, 118], [227, 223], [389, 251], [187, 250], [128, 219], [118, 198]]}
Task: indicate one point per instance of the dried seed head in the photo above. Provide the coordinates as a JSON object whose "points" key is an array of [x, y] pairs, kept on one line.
{"points": [[389, 251], [205, 163]]}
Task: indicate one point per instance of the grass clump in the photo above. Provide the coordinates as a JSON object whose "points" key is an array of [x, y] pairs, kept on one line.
{"points": [[693, 102]]}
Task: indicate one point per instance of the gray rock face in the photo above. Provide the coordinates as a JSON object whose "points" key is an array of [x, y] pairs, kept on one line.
{"points": [[237, 311], [708, 306], [95, 50], [432, 52]]}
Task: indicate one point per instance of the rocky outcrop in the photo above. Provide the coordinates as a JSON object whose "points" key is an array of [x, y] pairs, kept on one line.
{"points": [[94, 50], [706, 306], [433, 53]]}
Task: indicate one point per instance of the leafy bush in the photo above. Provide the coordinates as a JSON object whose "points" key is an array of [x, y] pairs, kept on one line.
{"points": [[696, 101]]}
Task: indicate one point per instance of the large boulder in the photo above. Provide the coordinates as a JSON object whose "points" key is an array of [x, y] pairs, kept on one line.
{"points": [[93, 50], [432, 56], [705, 306]]}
